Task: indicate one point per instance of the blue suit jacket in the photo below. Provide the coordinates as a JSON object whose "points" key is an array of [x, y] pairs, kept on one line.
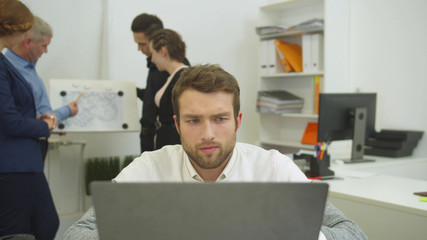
{"points": [[19, 129]]}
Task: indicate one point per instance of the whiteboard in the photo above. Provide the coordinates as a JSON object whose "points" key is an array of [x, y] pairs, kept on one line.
{"points": [[105, 106]]}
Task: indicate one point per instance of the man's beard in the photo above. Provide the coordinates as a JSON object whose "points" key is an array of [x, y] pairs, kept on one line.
{"points": [[206, 161]]}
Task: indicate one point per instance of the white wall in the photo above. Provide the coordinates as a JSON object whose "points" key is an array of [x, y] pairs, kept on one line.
{"points": [[386, 46], [215, 31], [75, 47], [76, 52], [388, 49], [93, 40], [379, 46]]}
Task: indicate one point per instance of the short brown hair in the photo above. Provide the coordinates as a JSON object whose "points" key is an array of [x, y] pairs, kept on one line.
{"points": [[14, 17], [206, 79], [171, 40], [145, 21]]}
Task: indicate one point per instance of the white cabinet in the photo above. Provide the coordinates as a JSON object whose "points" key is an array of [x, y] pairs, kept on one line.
{"points": [[65, 174], [284, 131]]}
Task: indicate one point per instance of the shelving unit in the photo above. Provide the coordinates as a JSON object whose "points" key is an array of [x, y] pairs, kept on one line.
{"points": [[285, 131], [291, 74], [292, 33]]}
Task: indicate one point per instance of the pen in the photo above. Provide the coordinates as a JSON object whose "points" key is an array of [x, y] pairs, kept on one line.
{"points": [[423, 199], [78, 98]]}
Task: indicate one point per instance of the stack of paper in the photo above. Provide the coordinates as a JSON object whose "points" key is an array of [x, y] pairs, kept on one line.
{"points": [[279, 101], [311, 24], [266, 30]]}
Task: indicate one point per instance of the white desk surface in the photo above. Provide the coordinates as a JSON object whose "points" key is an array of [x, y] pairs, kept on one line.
{"points": [[353, 182]]}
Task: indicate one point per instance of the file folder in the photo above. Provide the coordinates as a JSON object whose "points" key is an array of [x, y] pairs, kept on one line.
{"points": [[317, 91], [306, 53], [316, 52], [284, 61], [271, 57], [264, 57], [292, 55], [310, 134]]}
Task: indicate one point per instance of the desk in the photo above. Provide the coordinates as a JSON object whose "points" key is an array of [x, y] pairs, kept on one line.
{"points": [[379, 196]]}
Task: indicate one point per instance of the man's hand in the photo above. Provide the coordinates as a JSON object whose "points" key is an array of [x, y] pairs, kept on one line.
{"points": [[50, 119], [74, 108]]}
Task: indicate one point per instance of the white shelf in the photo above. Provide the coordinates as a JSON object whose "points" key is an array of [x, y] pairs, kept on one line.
{"points": [[301, 115], [289, 5], [292, 33], [293, 75], [284, 131], [287, 143], [294, 115]]}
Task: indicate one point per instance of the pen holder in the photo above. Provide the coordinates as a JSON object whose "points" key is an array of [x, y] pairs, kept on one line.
{"points": [[319, 168]]}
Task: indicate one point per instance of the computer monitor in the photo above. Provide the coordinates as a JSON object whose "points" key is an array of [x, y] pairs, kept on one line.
{"points": [[347, 116]]}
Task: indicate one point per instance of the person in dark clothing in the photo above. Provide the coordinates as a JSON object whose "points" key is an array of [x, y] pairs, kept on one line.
{"points": [[142, 26], [26, 204], [168, 53]]}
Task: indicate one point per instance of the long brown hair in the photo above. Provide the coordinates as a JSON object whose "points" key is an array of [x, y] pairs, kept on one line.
{"points": [[14, 17], [173, 42]]}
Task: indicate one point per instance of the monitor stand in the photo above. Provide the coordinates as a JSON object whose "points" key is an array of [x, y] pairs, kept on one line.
{"points": [[359, 131]]}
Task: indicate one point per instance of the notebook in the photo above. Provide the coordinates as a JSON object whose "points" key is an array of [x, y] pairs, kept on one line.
{"points": [[209, 211]]}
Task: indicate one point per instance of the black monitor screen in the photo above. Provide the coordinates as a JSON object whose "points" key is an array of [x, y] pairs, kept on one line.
{"points": [[335, 118]]}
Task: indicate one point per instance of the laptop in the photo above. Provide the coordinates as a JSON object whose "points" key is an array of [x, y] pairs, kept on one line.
{"points": [[209, 211]]}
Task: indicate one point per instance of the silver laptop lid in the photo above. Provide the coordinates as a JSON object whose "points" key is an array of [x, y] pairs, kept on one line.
{"points": [[162, 211]]}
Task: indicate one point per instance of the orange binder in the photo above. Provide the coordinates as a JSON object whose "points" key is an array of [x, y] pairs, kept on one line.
{"points": [[286, 66], [292, 55], [310, 134], [316, 94]]}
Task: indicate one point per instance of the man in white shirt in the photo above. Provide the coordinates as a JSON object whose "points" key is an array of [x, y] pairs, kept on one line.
{"points": [[206, 102]]}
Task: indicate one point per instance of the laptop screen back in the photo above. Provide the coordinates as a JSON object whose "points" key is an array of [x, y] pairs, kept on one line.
{"points": [[209, 210]]}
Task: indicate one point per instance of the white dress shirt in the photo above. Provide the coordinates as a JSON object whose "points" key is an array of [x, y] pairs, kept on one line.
{"points": [[248, 163]]}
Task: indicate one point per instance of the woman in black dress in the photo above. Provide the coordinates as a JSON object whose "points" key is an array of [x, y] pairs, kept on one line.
{"points": [[168, 53]]}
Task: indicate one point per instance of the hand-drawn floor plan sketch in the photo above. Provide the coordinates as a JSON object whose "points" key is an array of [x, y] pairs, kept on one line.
{"points": [[104, 105], [97, 110]]}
